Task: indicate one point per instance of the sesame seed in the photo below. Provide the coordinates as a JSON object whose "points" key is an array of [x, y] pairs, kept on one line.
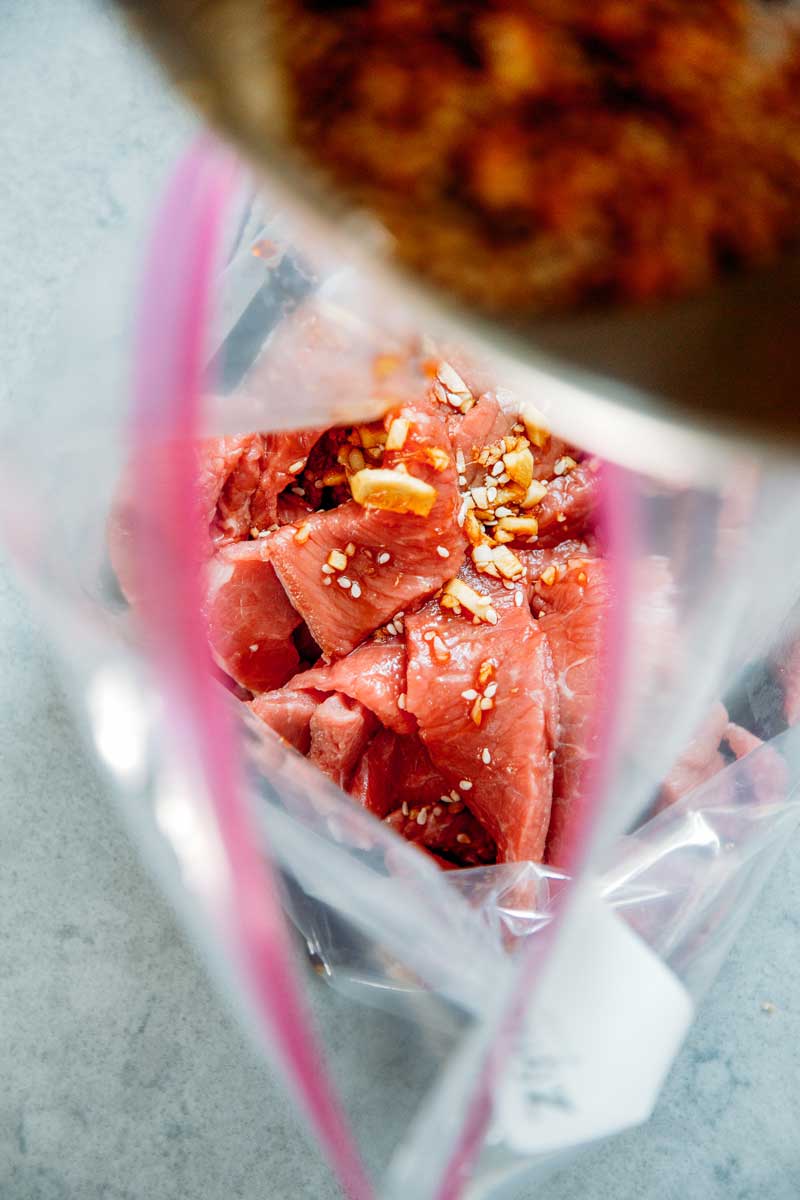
{"points": [[383, 557], [326, 579], [462, 480], [302, 535], [254, 647], [491, 615], [266, 533], [440, 651], [487, 704], [454, 795], [519, 599], [469, 694], [518, 427], [355, 590], [502, 511], [460, 463], [318, 483], [326, 569], [349, 549], [428, 635], [464, 839], [491, 494], [401, 702], [508, 585], [443, 552], [504, 477], [486, 756], [297, 467], [437, 812], [404, 808], [498, 468], [490, 690], [344, 582], [422, 816], [401, 612], [445, 800], [298, 491], [465, 785], [391, 627]]}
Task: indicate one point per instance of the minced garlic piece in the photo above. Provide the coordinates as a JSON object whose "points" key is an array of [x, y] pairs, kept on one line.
{"points": [[507, 562], [535, 425], [438, 458], [519, 526], [536, 492], [519, 464], [370, 438], [393, 491], [337, 560], [479, 605], [398, 432]]}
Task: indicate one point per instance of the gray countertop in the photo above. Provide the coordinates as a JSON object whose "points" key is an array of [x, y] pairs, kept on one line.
{"points": [[124, 1078]]}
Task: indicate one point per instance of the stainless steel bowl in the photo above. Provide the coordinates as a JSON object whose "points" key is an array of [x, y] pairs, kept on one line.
{"points": [[683, 382]]}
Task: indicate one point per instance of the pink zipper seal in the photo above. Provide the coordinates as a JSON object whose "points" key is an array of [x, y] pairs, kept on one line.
{"points": [[175, 311]]}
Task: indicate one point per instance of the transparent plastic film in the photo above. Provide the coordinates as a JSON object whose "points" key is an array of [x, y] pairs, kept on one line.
{"points": [[655, 609]]}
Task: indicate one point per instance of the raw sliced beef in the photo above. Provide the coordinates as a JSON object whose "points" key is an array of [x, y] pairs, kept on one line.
{"points": [[288, 714], [574, 624], [284, 458], [374, 783], [766, 778], [568, 509], [700, 761], [481, 426], [455, 836], [250, 620], [229, 473], [398, 558], [340, 729], [291, 509], [374, 674], [499, 755], [240, 479]]}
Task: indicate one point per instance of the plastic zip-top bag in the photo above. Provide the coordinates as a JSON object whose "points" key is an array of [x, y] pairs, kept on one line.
{"points": [[515, 773]]}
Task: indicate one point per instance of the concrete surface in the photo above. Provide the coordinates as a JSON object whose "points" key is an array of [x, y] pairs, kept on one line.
{"points": [[123, 1077]]}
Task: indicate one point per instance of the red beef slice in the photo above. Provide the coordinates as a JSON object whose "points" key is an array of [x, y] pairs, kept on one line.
{"points": [[240, 479], [374, 673], [340, 730], [374, 783], [575, 627], [456, 836], [395, 779], [570, 504], [288, 714], [502, 765], [250, 620], [340, 618], [700, 761]]}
